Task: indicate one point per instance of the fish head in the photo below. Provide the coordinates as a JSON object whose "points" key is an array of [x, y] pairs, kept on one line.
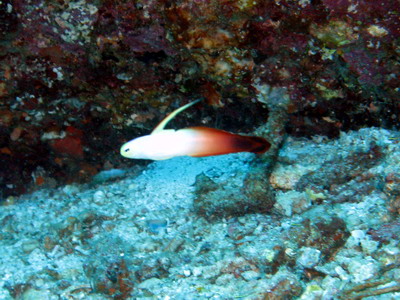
{"points": [[135, 149], [157, 146]]}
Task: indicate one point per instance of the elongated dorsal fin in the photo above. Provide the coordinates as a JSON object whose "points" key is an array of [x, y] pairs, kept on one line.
{"points": [[172, 115]]}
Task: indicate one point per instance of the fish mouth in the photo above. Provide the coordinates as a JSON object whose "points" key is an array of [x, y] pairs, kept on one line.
{"points": [[124, 150]]}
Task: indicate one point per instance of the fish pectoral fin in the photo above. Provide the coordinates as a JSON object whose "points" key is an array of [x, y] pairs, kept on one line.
{"points": [[172, 115]]}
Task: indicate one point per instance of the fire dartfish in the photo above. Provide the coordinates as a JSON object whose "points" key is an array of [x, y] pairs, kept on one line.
{"points": [[193, 141]]}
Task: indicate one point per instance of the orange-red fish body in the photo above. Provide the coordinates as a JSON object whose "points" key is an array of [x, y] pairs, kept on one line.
{"points": [[209, 141]]}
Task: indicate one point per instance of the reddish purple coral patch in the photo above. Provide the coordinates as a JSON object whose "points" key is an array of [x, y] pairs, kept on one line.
{"points": [[368, 68]]}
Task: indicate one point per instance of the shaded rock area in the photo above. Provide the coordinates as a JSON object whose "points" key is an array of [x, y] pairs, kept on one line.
{"points": [[145, 234], [336, 173], [79, 78], [348, 177], [249, 192], [237, 195]]}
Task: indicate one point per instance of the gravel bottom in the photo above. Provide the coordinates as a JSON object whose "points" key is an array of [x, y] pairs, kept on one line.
{"points": [[138, 237]]}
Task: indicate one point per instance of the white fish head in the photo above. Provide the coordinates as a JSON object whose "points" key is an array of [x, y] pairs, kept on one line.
{"points": [[158, 146]]}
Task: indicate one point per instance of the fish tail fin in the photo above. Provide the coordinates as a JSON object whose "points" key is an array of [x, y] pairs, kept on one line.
{"points": [[253, 144]]}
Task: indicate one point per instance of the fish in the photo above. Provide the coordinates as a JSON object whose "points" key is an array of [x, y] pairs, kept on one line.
{"points": [[199, 141]]}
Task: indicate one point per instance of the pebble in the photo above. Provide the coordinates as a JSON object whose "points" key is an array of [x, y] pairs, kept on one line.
{"points": [[33, 294], [270, 255], [309, 257], [70, 189], [313, 291], [363, 269], [150, 284], [250, 275], [391, 250], [196, 271], [29, 246], [342, 273], [292, 202], [224, 279], [369, 246], [157, 225], [358, 235], [99, 197]]}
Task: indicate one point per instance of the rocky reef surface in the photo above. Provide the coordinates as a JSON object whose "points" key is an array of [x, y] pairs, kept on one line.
{"points": [[329, 230], [316, 217], [75, 72]]}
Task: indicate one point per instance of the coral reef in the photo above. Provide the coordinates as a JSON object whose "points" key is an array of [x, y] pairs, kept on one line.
{"points": [[113, 69]]}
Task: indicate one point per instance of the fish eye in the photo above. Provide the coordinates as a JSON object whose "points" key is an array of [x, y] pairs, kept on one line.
{"points": [[127, 150]]}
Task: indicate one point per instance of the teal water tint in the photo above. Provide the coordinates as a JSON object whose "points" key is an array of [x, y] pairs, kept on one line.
{"points": [[330, 233]]}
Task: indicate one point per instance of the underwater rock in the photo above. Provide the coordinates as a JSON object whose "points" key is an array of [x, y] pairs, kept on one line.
{"points": [[99, 197], [157, 225], [115, 281], [363, 269], [250, 192], [326, 235], [292, 202], [309, 257], [61, 242], [312, 291], [29, 246], [392, 187], [34, 294], [285, 286], [111, 69], [386, 232], [235, 196], [341, 170], [153, 268]]}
